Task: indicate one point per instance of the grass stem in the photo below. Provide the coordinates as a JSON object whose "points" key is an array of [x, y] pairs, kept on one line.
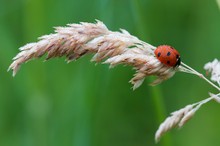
{"points": [[201, 76]]}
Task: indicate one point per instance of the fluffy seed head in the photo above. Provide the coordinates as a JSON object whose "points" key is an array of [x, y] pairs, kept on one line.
{"points": [[213, 68], [113, 48]]}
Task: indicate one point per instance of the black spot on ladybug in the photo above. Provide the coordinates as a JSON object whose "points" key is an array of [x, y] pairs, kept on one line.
{"points": [[177, 56], [168, 53], [168, 62], [158, 55]]}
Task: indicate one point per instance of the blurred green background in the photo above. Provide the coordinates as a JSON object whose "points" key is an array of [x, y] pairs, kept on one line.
{"points": [[82, 104]]}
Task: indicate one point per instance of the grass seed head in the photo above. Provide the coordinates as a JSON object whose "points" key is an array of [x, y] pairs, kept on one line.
{"points": [[77, 40]]}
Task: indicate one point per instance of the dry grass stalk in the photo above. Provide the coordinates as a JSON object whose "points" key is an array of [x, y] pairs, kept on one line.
{"points": [[180, 117], [77, 40], [216, 97]]}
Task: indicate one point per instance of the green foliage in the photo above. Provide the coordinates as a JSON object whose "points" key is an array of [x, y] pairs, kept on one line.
{"points": [[80, 104]]}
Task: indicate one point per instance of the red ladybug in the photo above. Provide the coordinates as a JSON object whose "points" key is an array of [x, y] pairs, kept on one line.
{"points": [[168, 55]]}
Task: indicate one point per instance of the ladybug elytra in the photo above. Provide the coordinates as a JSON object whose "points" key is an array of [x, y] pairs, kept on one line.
{"points": [[168, 55]]}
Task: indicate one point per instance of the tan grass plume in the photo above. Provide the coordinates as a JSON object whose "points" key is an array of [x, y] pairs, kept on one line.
{"points": [[111, 47]]}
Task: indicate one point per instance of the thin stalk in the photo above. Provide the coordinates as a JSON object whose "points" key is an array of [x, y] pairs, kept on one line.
{"points": [[200, 75], [213, 96]]}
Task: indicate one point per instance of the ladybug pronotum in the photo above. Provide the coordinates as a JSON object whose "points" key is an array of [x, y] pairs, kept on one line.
{"points": [[168, 55]]}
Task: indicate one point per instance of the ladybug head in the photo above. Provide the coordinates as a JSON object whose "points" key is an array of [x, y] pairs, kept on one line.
{"points": [[178, 61]]}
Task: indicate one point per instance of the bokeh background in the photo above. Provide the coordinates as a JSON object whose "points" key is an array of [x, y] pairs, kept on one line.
{"points": [[82, 104]]}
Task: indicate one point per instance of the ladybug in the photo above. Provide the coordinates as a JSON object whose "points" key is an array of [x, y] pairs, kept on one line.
{"points": [[168, 55]]}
